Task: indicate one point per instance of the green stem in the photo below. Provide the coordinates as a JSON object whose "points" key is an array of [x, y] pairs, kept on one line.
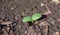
{"points": [[32, 21]]}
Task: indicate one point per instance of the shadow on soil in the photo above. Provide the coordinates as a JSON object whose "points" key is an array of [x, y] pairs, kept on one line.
{"points": [[30, 23], [43, 17]]}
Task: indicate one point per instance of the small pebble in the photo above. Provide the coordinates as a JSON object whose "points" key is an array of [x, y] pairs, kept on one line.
{"points": [[57, 33], [20, 27], [42, 4], [58, 19], [12, 8], [23, 13], [25, 32]]}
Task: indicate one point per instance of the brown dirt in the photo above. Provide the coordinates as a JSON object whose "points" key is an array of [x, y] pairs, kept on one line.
{"points": [[13, 11]]}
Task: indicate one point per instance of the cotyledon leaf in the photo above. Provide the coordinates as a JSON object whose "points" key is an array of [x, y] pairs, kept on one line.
{"points": [[36, 16], [27, 19]]}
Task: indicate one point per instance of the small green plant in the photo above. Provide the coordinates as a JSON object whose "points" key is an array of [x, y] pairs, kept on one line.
{"points": [[33, 18]]}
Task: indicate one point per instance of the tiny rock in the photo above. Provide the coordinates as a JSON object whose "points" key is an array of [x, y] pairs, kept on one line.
{"points": [[58, 19], [12, 8], [42, 4], [56, 33]]}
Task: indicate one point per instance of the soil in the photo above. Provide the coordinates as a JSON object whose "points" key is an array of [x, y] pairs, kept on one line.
{"points": [[13, 11]]}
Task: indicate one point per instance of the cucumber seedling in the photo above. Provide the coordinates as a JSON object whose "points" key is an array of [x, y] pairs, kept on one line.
{"points": [[33, 18]]}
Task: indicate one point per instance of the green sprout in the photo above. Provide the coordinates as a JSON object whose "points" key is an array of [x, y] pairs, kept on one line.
{"points": [[33, 18]]}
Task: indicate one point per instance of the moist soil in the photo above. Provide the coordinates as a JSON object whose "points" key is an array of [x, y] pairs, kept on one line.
{"points": [[13, 11]]}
